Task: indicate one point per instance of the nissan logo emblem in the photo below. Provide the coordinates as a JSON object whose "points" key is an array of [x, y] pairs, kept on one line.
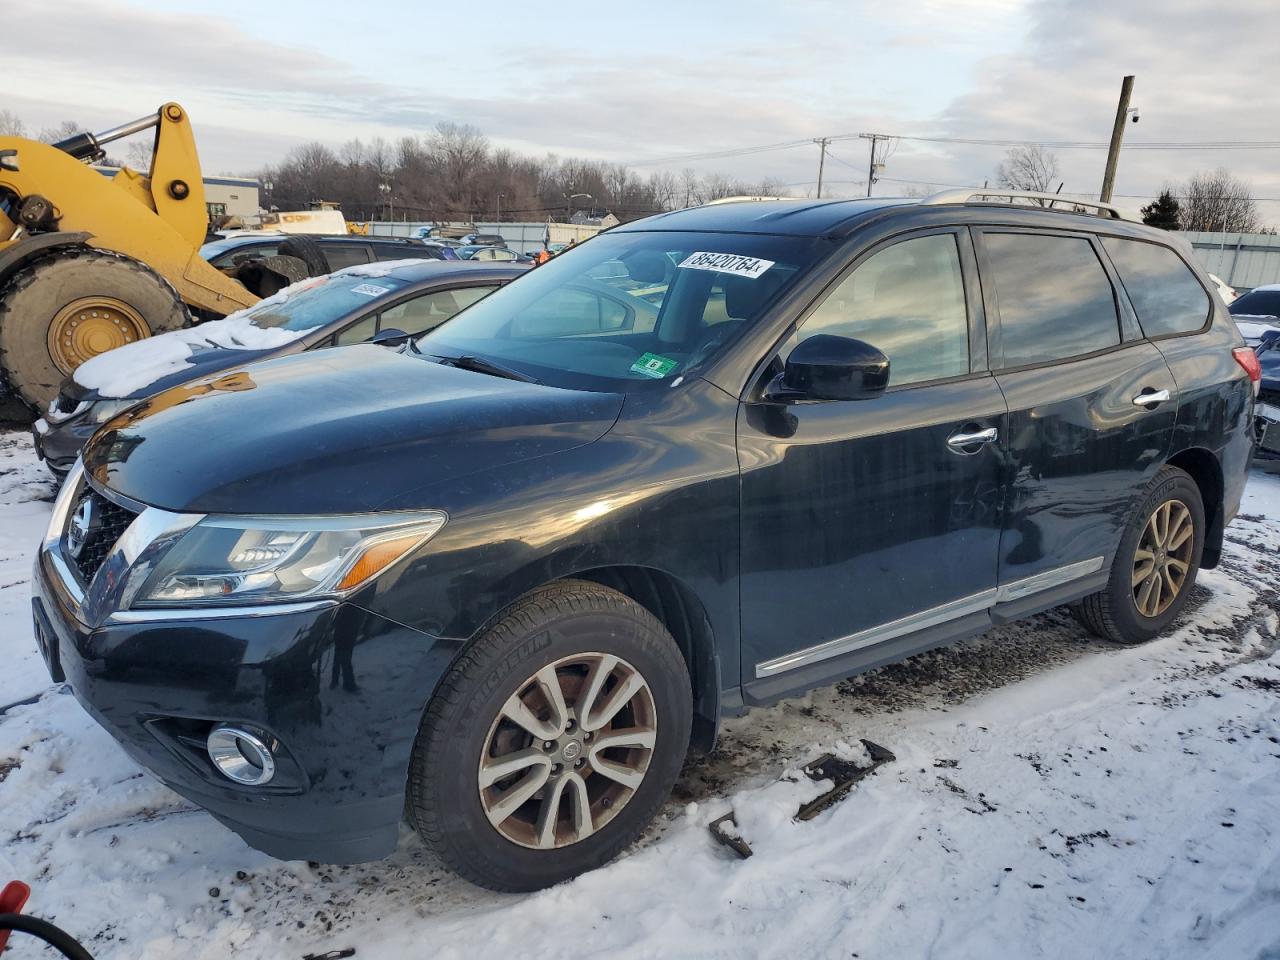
{"points": [[80, 527]]}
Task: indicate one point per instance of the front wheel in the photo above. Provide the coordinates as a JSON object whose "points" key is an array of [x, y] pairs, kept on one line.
{"points": [[1155, 566], [553, 741]]}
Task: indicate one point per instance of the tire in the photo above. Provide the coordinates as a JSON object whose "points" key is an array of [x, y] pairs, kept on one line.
{"points": [[36, 295], [548, 630], [309, 252], [1114, 613], [267, 276]]}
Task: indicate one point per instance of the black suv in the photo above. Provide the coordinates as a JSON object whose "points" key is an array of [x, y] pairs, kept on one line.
{"points": [[503, 578], [322, 253]]}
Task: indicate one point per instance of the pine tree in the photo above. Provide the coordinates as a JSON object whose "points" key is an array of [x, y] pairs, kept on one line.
{"points": [[1163, 212]]}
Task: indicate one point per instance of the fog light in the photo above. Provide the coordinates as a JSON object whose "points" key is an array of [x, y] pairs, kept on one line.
{"points": [[240, 755]]}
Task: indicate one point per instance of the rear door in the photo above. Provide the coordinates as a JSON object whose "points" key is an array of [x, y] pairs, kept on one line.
{"points": [[1091, 404]]}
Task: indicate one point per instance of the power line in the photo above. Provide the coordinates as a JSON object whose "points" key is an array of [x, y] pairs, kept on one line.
{"points": [[972, 141]]}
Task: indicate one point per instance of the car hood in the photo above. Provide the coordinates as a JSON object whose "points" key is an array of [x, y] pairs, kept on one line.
{"points": [[333, 431], [147, 366]]}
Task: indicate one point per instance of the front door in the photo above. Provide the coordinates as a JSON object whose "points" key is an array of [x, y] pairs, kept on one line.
{"points": [[1091, 405], [867, 520]]}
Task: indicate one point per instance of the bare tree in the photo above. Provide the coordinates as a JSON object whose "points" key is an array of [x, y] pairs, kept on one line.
{"points": [[1028, 168], [11, 125], [64, 130], [138, 155], [1217, 201]]}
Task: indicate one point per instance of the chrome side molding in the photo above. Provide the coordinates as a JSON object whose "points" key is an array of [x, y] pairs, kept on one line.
{"points": [[934, 616]]}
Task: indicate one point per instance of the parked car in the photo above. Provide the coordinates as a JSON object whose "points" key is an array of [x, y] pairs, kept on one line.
{"points": [[1268, 409], [355, 305], [503, 579], [1256, 312], [482, 252], [447, 251], [335, 252], [485, 239]]}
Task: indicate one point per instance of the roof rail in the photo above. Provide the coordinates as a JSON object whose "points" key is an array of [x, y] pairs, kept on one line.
{"points": [[744, 199], [968, 195]]}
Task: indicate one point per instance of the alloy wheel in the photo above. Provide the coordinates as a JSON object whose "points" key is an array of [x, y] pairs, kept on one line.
{"points": [[1163, 558], [567, 751]]}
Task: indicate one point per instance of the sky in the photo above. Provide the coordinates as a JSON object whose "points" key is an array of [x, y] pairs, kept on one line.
{"points": [[651, 84]]}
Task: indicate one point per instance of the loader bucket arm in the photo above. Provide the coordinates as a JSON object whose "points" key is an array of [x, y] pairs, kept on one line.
{"points": [[158, 219]]}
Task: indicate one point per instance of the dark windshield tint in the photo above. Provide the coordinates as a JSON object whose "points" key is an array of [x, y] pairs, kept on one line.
{"points": [[628, 308], [320, 300], [1258, 302]]}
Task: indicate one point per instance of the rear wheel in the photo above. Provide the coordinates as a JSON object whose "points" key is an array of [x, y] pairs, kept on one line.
{"points": [[72, 305], [1156, 565], [553, 740]]}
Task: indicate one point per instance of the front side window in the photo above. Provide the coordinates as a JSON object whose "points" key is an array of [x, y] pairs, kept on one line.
{"points": [[430, 310], [907, 300], [358, 332], [1055, 299], [629, 309], [1164, 292]]}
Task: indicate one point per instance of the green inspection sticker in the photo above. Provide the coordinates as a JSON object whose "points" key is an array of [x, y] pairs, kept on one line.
{"points": [[652, 365]]}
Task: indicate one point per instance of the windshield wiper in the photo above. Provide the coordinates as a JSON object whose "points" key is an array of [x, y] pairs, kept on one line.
{"points": [[481, 365]]}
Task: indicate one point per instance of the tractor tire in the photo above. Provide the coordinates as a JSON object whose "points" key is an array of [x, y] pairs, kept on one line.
{"points": [[64, 308], [266, 276], [309, 252]]}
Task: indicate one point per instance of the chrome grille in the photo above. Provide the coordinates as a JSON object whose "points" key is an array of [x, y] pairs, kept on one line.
{"points": [[110, 521]]}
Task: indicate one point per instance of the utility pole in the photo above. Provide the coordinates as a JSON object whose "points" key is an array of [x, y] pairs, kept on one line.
{"points": [[1117, 134], [497, 215], [822, 159], [871, 167]]}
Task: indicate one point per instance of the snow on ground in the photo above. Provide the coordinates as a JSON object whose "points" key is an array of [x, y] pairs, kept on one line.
{"points": [[1053, 796]]}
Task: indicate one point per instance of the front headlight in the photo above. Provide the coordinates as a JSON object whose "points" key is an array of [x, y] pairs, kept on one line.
{"points": [[270, 560]]}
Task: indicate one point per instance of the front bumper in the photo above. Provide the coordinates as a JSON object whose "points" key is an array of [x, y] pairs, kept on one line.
{"points": [[341, 689]]}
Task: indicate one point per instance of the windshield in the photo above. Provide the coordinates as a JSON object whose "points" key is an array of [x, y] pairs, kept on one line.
{"points": [[628, 308], [1258, 302], [320, 300]]}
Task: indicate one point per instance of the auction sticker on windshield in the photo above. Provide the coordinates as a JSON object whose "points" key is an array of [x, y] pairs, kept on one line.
{"points": [[369, 289], [653, 365], [733, 263]]}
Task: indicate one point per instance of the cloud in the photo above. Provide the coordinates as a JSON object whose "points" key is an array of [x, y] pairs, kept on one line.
{"points": [[1204, 71], [746, 73]]}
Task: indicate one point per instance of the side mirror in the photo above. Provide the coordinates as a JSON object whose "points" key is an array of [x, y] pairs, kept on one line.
{"points": [[1270, 340], [827, 367], [390, 337]]}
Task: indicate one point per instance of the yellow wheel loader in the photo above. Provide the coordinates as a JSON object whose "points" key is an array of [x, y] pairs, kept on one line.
{"points": [[89, 263]]}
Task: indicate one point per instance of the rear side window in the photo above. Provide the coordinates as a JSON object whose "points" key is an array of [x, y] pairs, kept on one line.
{"points": [[1054, 296], [342, 255], [1164, 292]]}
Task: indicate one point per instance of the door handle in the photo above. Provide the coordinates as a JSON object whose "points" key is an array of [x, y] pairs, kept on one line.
{"points": [[960, 440], [1150, 398]]}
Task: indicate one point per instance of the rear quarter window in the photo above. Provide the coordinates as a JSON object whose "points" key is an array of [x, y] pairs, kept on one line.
{"points": [[1164, 292]]}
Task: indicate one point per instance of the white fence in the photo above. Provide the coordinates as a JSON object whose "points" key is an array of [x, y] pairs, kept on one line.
{"points": [[1242, 260]]}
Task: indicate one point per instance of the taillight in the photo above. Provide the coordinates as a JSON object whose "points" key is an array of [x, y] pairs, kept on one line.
{"points": [[1252, 366]]}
